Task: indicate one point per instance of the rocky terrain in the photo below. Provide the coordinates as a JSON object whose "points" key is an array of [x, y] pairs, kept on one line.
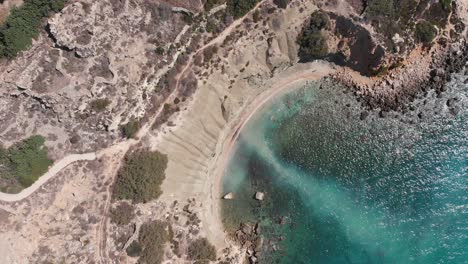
{"points": [[186, 78], [91, 51]]}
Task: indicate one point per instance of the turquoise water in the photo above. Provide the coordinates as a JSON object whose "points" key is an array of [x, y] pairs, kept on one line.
{"points": [[341, 190]]}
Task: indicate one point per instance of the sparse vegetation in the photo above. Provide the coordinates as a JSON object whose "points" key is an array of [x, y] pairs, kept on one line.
{"points": [[239, 8], [256, 16], [25, 161], [209, 4], [122, 214], [22, 25], [130, 129], [99, 105], [160, 51], [211, 26], [141, 176], [312, 42], [425, 32], [152, 238], [202, 251]]}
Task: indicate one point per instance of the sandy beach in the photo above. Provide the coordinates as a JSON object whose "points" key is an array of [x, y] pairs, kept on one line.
{"points": [[294, 80], [206, 186]]}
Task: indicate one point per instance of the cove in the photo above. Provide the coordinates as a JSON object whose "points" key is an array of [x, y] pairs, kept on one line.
{"points": [[343, 190]]}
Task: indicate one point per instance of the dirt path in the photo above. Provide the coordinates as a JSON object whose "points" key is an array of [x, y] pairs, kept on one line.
{"points": [[56, 168], [102, 227]]}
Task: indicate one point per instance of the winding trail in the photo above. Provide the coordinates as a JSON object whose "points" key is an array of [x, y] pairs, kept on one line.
{"points": [[54, 170], [124, 146]]}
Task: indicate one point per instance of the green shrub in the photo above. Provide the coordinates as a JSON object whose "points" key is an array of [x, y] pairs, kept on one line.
{"points": [[211, 26], [425, 32], [209, 4], [153, 237], [21, 26], [201, 250], [256, 16], [141, 176], [312, 42], [130, 129], [238, 8], [318, 21], [159, 50], [281, 3], [100, 105], [134, 249], [446, 5], [28, 160], [313, 45], [122, 214]]}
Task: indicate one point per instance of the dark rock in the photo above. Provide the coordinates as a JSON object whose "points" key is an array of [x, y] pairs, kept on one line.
{"points": [[364, 115], [450, 102], [420, 115], [455, 110]]}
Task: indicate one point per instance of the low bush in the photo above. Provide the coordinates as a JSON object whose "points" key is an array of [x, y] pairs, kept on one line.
{"points": [[122, 214], [318, 21], [312, 42], [446, 5], [130, 129], [201, 250], [209, 4], [281, 3], [313, 45], [26, 160], [238, 8], [99, 105], [134, 249], [152, 238], [425, 32], [141, 176]]}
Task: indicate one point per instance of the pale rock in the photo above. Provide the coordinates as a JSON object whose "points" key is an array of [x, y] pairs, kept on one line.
{"points": [[229, 196], [259, 196]]}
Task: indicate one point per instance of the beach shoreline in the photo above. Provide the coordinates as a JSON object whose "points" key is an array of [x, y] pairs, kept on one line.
{"points": [[296, 77]]}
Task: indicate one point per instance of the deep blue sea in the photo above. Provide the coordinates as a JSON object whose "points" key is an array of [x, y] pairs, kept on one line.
{"points": [[342, 190]]}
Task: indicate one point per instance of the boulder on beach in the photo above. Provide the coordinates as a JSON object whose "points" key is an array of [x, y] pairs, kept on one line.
{"points": [[228, 196], [259, 196]]}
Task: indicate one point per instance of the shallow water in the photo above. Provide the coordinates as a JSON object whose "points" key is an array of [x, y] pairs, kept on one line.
{"points": [[351, 191]]}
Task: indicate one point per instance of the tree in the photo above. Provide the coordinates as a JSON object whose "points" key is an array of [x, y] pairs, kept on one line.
{"points": [[29, 160], [21, 26], [122, 214], [281, 3], [141, 176], [130, 129], [152, 238], [239, 8], [318, 21], [425, 32], [201, 250], [312, 42]]}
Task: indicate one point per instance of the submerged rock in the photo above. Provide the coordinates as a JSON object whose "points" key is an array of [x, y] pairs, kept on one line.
{"points": [[259, 196]]}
